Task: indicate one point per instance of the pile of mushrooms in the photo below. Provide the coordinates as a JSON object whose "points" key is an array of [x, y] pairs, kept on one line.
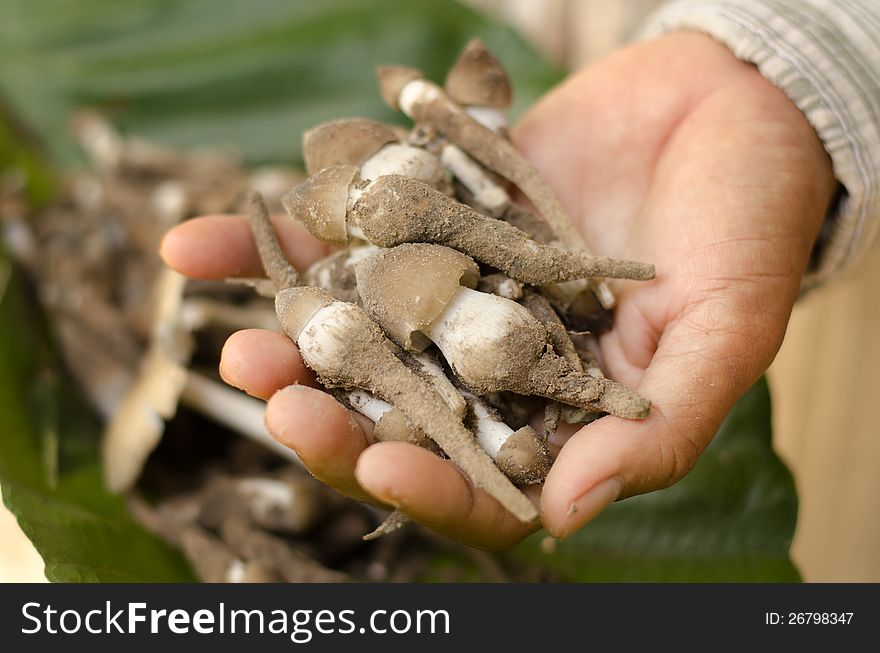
{"points": [[448, 308]]}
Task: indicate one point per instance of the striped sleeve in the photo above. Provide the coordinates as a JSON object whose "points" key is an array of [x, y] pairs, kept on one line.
{"points": [[825, 56]]}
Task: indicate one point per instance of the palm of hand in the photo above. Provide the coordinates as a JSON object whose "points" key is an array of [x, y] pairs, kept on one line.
{"points": [[671, 152]]}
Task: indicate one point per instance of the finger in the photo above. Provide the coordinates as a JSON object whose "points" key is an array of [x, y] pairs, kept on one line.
{"points": [[697, 373], [434, 492], [222, 246], [261, 362], [327, 437]]}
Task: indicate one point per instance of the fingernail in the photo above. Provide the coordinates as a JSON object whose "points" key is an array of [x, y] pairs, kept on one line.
{"points": [[588, 505]]}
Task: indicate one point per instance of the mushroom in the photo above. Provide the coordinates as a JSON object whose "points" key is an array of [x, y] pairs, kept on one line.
{"points": [[522, 455], [478, 82], [372, 147], [415, 293], [394, 209], [424, 102], [346, 348]]}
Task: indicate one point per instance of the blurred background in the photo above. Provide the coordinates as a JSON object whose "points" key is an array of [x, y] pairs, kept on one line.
{"points": [[823, 382]]}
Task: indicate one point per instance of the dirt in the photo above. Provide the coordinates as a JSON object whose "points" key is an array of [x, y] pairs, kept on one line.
{"points": [[552, 377]]}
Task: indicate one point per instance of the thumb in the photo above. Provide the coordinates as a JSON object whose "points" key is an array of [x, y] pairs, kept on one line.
{"points": [[700, 368]]}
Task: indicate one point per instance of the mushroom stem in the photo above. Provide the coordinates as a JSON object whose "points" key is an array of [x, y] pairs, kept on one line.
{"points": [[552, 377], [394, 210], [490, 197], [433, 372], [274, 261], [474, 177]]}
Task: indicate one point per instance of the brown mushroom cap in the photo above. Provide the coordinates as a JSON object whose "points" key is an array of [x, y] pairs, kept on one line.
{"points": [[406, 288], [350, 141], [296, 306], [524, 458], [320, 203], [478, 79], [392, 79]]}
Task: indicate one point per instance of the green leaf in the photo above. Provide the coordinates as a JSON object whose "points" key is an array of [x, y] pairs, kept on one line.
{"points": [[252, 75], [49, 472], [731, 519]]}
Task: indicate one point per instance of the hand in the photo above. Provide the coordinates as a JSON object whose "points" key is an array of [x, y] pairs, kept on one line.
{"points": [[672, 152]]}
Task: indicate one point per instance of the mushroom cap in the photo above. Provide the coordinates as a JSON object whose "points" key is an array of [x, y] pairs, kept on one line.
{"points": [[320, 203], [406, 288], [349, 141], [524, 458], [392, 79], [478, 79], [296, 306]]}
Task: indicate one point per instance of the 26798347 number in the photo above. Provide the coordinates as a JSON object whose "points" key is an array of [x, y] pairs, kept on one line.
{"points": [[805, 618]]}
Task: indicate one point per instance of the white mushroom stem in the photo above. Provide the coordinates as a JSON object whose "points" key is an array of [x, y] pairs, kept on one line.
{"points": [[522, 455], [490, 117], [475, 178], [390, 424], [492, 432], [406, 160], [367, 405], [233, 410], [476, 321], [136, 426]]}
